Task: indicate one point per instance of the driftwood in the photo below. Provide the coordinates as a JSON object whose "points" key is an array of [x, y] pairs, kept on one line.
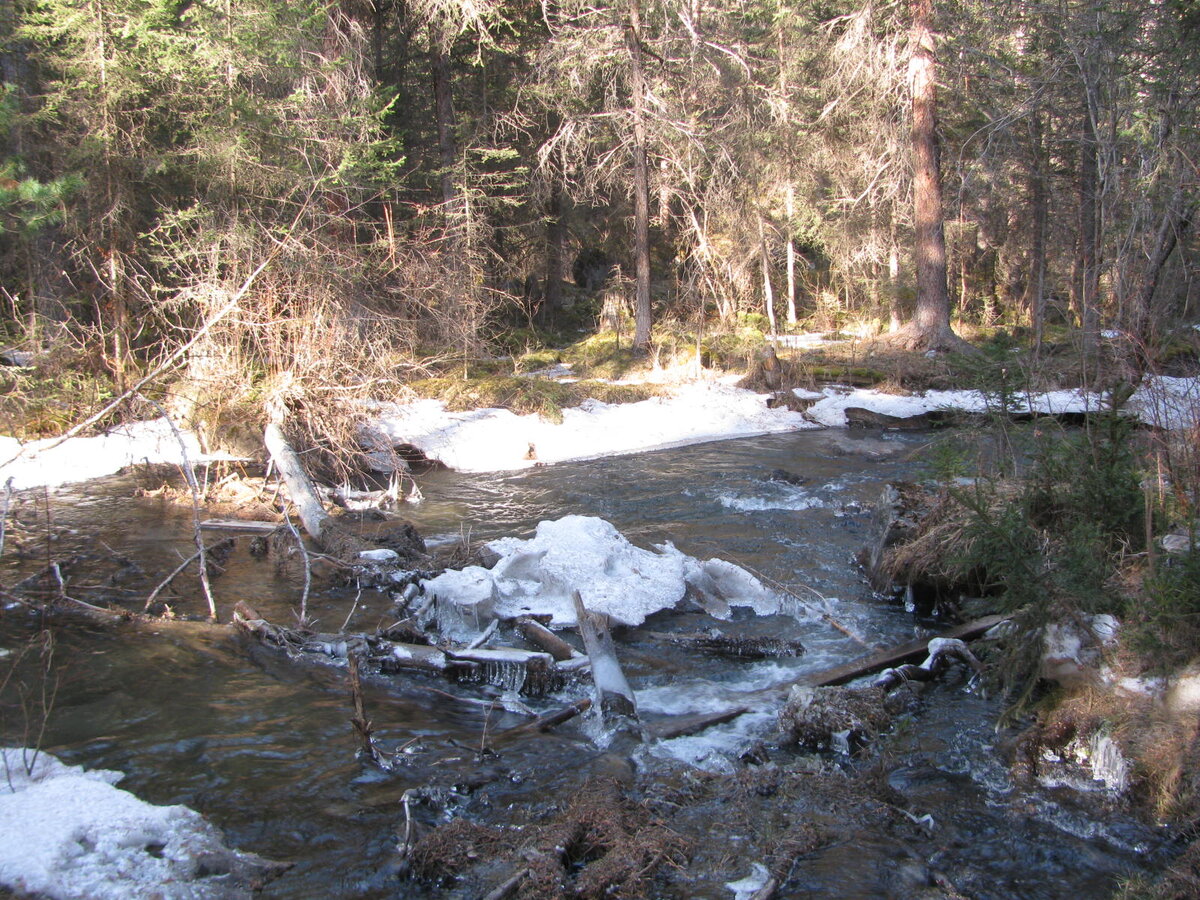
{"points": [[894, 656], [615, 694], [682, 726], [526, 671], [252, 526], [941, 650], [744, 647], [546, 722], [537, 633], [372, 562]]}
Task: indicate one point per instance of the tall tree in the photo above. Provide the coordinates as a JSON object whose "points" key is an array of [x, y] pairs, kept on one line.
{"points": [[930, 326]]}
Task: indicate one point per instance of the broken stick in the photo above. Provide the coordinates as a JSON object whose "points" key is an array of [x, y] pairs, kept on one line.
{"points": [[615, 694]]}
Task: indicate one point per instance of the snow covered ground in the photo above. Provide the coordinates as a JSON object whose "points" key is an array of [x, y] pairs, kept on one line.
{"points": [[69, 833], [497, 439], [81, 458]]}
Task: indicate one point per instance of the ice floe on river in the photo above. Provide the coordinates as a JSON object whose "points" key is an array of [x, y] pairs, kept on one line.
{"points": [[581, 553], [67, 833]]}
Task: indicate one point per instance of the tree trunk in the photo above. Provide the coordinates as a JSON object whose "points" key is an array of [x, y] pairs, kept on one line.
{"points": [[444, 111], [1088, 262], [930, 326], [790, 209], [1175, 222], [556, 233], [768, 291], [1035, 289], [641, 185]]}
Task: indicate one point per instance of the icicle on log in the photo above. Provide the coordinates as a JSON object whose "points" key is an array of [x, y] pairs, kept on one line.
{"points": [[740, 646], [615, 694], [525, 671]]}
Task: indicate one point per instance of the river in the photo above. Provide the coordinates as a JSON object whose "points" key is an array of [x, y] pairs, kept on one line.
{"points": [[263, 746]]}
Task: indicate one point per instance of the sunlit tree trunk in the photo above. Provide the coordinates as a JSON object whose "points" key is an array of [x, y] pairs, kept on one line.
{"points": [[641, 184], [930, 327]]}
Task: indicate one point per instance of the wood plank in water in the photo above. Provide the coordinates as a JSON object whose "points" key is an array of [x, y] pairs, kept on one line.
{"points": [[893, 656], [248, 525]]}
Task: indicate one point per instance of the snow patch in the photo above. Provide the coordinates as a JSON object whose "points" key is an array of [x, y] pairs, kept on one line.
{"points": [[82, 458], [69, 833], [496, 439]]}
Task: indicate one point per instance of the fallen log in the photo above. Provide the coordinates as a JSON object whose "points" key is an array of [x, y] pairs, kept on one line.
{"points": [[544, 723], [893, 656], [682, 726], [537, 633], [374, 560], [252, 526], [741, 646], [615, 694]]}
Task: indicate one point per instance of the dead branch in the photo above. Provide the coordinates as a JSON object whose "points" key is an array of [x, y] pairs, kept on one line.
{"points": [[615, 694], [219, 545]]}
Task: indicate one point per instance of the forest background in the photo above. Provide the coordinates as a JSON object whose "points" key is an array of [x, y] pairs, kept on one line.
{"points": [[334, 198]]}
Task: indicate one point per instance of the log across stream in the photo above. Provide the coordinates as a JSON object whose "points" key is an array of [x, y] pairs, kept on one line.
{"points": [[264, 747]]}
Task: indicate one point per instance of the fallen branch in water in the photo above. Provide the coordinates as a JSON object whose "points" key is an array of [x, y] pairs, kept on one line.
{"points": [[162, 586], [544, 723]]}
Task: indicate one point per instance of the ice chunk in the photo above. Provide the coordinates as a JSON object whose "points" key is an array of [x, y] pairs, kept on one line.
{"points": [[614, 577]]}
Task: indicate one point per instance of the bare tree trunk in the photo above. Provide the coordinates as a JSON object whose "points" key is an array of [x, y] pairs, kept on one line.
{"points": [[444, 111], [641, 184], [1035, 290], [790, 208], [768, 291], [1177, 218], [930, 326], [1088, 262], [556, 233]]}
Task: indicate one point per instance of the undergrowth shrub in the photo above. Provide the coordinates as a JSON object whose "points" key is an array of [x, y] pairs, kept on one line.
{"points": [[1046, 547]]}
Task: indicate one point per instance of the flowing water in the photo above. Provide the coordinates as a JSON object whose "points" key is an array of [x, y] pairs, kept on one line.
{"points": [[263, 746]]}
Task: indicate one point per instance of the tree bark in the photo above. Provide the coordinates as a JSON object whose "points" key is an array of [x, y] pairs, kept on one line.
{"points": [[444, 111], [930, 326], [1175, 222], [556, 233], [641, 184], [1088, 261], [1035, 290]]}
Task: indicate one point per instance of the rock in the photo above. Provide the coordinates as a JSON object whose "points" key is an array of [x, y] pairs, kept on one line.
{"points": [[1176, 543], [837, 718]]}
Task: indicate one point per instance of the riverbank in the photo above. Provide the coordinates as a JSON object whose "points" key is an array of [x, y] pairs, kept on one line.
{"points": [[483, 440]]}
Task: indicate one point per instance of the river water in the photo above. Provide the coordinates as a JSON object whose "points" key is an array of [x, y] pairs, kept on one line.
{"points": [[263, 746]]}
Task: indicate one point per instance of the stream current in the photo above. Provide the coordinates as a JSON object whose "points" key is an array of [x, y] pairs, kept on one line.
{"points": [[263, 746]]}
